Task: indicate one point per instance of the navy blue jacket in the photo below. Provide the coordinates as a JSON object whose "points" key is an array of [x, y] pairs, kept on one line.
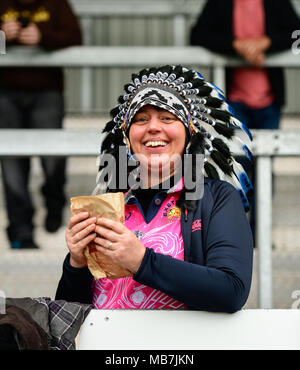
{"points": [[217, 271]]}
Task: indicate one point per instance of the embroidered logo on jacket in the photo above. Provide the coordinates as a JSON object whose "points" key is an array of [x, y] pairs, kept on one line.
{"points": [[174, 214], [196, 225], [170, 204]]}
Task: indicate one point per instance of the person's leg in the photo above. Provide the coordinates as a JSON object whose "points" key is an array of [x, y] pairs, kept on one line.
{"points": [[20, 211], [47, 113], [267, 118], [15, 173]]}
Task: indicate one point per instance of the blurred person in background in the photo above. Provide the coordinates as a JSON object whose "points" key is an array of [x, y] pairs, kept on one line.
{"points": [[251, 29], [32, 98]]}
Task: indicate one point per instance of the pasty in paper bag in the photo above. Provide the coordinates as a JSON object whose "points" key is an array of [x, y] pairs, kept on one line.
{"points": [[109, 205]]}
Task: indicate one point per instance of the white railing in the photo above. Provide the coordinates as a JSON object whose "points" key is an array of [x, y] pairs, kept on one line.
{"points": [[180, 330], [266, 144], [134, 56]]}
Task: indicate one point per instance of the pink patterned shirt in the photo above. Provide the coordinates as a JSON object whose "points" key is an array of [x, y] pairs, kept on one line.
{"points": [[163, 235]]}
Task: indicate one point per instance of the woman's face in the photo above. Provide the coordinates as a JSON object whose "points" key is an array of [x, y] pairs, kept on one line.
{"points": [[157, 136]]}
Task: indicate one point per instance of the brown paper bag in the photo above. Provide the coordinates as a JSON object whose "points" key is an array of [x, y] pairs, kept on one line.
{"points": [[109, 205]]}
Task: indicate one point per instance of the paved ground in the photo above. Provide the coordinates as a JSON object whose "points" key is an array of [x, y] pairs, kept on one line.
{"points": [[36, 273]]}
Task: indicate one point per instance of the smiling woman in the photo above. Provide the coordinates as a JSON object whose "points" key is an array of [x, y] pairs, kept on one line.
{"points": [[183, 252]]}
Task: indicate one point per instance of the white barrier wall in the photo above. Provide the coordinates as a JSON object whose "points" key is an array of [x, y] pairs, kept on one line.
{"points": [[190, 330]]}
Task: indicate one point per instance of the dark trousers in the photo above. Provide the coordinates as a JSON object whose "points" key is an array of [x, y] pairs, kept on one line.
{"points": [[265, 119], [32, 110]]}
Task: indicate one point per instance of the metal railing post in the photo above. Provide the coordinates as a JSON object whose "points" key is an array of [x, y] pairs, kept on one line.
{"points": [[219, 76], [179, 30], [264, 230], [86, 96]]}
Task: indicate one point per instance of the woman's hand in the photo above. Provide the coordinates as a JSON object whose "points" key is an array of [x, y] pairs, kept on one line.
{"points": [[118, 242], [80, 232]]}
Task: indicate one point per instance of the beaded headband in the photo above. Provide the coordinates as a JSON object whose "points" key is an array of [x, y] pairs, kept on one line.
{"points": [[201, 107]]}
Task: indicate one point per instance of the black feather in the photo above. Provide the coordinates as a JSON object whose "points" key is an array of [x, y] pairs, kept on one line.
{"points": [[109, 126], [121, 99], [118, 138], [144, 72], [177, 71], [197, 143], [114, 111], [166, 69], [214, 102], [197, 83], [224, 130], [126, 88], [204, 90], [152, 70], [188, 76], [106, 142], [211, 171], [220, 114], [222, 162], [134, 76], [221, 147]]}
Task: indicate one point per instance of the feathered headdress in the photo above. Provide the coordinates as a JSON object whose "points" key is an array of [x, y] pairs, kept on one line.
{"points": [[202, 108]]}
